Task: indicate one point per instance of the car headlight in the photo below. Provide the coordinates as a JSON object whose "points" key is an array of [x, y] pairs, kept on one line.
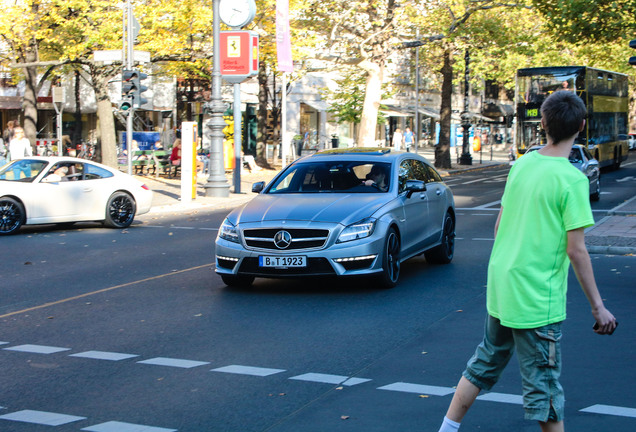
{"points": [[228, 232], [358, 230]]}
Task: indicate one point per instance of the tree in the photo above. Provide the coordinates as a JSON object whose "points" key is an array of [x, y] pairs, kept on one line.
{"points": [[360, 33], [23, 40]]}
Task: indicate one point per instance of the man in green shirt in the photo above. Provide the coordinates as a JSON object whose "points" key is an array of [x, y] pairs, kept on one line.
{"points": [[539, 232]]}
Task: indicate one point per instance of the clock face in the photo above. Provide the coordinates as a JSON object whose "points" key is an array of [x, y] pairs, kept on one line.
{"points": [[237, 13]]}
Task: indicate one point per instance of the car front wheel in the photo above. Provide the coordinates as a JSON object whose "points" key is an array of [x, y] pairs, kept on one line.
{"points": [[443, 253], [390, 260], [120, 210], [12, 215]]}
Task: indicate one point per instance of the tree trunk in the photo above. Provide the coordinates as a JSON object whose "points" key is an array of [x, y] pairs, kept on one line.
{"points": [[77, 131], [372, 98], [107, 147], [261, 134], [30, 101], [442, 151]]}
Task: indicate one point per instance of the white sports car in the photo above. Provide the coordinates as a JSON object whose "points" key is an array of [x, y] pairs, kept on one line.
{"points": [[51, 190]]}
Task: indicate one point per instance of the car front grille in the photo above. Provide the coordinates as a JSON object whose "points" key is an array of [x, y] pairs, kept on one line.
{"points": [[301, 238], [315, 267]]}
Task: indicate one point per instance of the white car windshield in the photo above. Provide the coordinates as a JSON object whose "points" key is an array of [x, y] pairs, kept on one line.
{"points": [[334, 177]]}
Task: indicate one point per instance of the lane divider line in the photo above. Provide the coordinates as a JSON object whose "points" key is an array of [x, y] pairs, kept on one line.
{"points": [[127, 284]]}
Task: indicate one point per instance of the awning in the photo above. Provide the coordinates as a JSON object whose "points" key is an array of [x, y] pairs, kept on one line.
{"points": [[318, 105], [395, 113], [429, 112], [497, 110]]}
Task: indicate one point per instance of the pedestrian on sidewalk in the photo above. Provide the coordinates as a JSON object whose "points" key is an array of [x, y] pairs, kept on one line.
{"points": [[408, 139], [397, 139], [528, 270]]}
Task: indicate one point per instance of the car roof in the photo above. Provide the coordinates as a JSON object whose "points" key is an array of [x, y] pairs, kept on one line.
{"points": [[381, 154]]}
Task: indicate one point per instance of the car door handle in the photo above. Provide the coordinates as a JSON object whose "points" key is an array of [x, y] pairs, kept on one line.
{"points": [[438, 192], [87, 189]]}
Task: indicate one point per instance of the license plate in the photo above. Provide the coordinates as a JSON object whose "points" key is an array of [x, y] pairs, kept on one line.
{"points": [[282, 261]]}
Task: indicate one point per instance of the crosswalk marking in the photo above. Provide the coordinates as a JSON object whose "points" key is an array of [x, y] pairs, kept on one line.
{"points": [[41, 417], [611, 410], [329, 379], [180, 363], [115, 426], [248, 370], [37, 349], [418, 388], [502, 397], [104, 355]]}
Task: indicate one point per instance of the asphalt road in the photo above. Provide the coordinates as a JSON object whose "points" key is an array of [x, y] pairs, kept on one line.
{"points": [[116, 331]]}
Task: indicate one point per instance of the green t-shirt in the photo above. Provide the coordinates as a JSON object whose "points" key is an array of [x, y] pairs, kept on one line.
{"points": [[527, 274]]}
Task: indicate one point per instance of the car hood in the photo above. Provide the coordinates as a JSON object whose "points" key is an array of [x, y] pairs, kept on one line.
{"points": [[332, 208]]}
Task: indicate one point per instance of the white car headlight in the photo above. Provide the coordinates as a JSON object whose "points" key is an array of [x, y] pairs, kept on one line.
{"points": [[229, 232], [358, 230]]}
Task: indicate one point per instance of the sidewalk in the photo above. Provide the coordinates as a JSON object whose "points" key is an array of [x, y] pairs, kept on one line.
{"points": [[615, 234]]}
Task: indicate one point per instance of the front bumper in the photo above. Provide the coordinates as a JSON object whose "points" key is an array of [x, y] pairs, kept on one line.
{"points": [[356, 257]]}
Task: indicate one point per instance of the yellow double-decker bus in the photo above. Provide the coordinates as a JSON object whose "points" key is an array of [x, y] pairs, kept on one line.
{"points": [[605, 94]]}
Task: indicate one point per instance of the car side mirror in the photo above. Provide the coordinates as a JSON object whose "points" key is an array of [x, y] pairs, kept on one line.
{"points": [[413, 186], [258, 187], [52, 178]]}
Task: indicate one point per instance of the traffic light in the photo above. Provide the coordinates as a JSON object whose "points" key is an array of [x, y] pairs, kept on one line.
{"points": [[138, 89], [131, 89], [632, 44], [126, 91]]}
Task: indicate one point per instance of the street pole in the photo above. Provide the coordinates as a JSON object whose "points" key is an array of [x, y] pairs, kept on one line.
{"points": [[238, 144], [128, 62], [217, 184], [417, 92], [466, 158]]}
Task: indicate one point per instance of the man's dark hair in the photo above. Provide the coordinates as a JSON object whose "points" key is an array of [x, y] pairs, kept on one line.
{"points": [[562, 113]]}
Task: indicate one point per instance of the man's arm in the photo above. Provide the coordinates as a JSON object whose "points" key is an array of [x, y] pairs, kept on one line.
{"points": [[582, 266], [498, 219]]}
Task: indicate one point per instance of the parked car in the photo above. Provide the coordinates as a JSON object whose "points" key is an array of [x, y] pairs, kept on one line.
{"points": [[631, 141], [581, 158], [51, 190], [341, 212]]}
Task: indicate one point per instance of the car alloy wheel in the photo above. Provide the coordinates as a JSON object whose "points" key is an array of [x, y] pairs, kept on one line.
{"points": [[391, 259], [12, 216], [120, 210]]}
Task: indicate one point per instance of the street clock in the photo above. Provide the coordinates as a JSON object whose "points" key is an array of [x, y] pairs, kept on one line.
{"points": [[237, 13]]}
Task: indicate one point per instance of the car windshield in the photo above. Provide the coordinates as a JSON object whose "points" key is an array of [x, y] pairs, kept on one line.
{"points": [[334, 177], [23, 170]]}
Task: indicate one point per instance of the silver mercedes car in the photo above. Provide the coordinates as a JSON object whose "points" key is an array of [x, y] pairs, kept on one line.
{"points": [[340, 212]]}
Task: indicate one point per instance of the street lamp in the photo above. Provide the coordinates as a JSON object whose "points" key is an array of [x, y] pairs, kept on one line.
{"points": [[217, 184]]}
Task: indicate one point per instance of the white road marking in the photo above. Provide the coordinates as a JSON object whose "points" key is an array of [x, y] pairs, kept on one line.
{"points": [[37, 349], [502, 397], [172, 362], [248, 370], [104, 355], [4, 343], [329, 379], [41, 417], [418, 388], [611, 410], [115, 426], [483, 239]]}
